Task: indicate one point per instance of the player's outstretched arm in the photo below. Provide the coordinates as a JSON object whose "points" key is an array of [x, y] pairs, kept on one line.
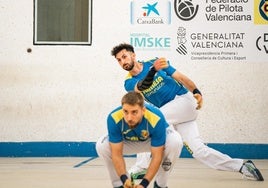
{"points": [[190, 85]]}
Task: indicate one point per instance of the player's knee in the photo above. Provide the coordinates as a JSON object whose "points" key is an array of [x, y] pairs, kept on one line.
{"points": [[179, 143], [175, 141], [196, 147]]}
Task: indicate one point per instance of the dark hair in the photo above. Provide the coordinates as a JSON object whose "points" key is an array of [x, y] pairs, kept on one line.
{"points": [[133, 98], [120, 47]]}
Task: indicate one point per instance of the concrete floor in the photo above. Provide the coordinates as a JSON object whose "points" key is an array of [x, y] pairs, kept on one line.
{"points": [[86, 173]]}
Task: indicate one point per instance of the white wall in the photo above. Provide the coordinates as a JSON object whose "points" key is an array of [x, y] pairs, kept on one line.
{"points": [[64, 93]]}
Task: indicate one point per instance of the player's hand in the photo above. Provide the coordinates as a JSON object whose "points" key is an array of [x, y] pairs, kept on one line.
{"points": [[160, 63], [199, 99], [128, 184], [138, 186]]}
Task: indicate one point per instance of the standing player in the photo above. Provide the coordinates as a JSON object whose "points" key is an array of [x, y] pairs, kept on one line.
{"points": [[176, 96], [135, 127]]}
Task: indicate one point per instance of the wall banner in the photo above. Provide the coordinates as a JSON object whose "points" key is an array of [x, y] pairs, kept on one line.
{"points": [[202, 31]]}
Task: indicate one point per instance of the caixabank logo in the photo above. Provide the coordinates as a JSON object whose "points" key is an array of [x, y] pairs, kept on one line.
{"points": [[185, 9], [261, 11], [150, 12]]}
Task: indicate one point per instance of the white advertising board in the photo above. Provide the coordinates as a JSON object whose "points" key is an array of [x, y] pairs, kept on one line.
{"points": [[201, 31]]}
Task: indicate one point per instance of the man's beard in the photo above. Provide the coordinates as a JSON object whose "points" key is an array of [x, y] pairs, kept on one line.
{"points": [[131, 125], [128, 67]]}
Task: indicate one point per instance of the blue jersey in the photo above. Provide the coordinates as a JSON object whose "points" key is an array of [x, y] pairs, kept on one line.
{"points": [[163, 89], [153, 126]]}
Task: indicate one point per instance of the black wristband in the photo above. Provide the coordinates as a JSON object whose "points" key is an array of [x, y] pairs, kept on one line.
{"points": [[123, 178], [196, 91], [144, 182]]}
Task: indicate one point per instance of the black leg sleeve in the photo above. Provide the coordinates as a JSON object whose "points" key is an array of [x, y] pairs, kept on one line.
{"points": [[147, 81]]}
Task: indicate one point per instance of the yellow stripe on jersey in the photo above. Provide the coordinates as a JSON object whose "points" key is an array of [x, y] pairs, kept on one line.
{"points": [[128, 76], [117, 116], [151, 117]]}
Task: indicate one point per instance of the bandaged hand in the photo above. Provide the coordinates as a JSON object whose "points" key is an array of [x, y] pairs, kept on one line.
{"points": [[138, 186], [160, 63], [128, 184], [199, 100]]}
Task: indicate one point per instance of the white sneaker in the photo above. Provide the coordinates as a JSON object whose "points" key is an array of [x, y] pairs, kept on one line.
{"points": [[137, 172], [250, 171]]}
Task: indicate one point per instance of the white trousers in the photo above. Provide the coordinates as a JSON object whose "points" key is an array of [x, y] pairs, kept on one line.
{"points": [[181, 113], [173, 148]]}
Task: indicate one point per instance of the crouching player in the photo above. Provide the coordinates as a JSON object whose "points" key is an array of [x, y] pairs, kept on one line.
{"points": [[135, 127]]}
